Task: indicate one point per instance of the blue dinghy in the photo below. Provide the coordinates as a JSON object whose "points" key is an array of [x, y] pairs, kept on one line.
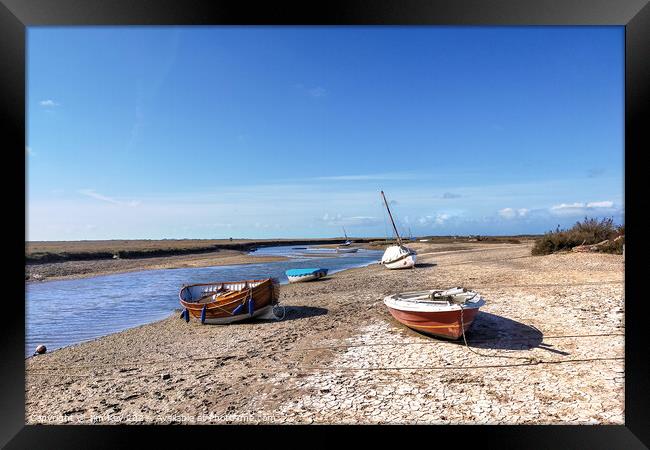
{"points": [[297, 275]]}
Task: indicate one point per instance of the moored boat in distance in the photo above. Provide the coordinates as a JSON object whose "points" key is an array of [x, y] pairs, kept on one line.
{"points": [[300, 275], [227, 302], [397, 256], [441, 313], [346, 250], [347, 241]]}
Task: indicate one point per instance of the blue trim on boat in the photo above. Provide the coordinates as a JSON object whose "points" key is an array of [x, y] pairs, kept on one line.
{"points": [[304, 272]]}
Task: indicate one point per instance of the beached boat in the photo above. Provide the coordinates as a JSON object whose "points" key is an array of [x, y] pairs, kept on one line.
{"points": [[397, 256], [346, 250], [441, 313], [347, 241], [299, 275], [227, 302]]}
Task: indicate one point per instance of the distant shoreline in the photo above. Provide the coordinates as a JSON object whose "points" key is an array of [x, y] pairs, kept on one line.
{"points": [[60, 260], [38, 252]]}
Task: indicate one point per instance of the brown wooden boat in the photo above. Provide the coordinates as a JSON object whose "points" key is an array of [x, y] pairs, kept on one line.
{"points": [[439, 313], [227, 302]]}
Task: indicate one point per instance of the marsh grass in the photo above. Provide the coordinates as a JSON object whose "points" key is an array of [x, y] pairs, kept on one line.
{"points": [[588, 232]]}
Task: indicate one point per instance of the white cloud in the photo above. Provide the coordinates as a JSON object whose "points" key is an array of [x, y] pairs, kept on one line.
{"points": [[507, 213], [317, 92], [48, 103], [595, 172], [352, 221], [605, 204], [565, 206], [583, 208], [510, 213], [366, 177], [92, 194], [450, 195], [29, 151], [437, 219]]}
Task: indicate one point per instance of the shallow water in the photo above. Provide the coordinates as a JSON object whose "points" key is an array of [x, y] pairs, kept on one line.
{"points": [[65, 312]]}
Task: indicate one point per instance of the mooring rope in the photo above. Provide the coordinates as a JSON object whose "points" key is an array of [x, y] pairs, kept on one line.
{"points": [[307, 349], [290, 370], [531, 360]]}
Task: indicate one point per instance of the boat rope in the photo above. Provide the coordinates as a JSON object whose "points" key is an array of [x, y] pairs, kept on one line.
{"points": [[216, 306], [530, 359], [284, 311], [306, 349], [483, 366], [264, 368]]}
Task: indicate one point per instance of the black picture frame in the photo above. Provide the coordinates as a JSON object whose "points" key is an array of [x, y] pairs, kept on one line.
{"points": [[16, 15]]}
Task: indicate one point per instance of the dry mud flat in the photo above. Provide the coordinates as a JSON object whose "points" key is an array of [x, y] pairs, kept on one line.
{"points": [[547, 348]]}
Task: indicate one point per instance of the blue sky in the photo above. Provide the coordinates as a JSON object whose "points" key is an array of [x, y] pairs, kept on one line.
{"points": [[212, 132]]}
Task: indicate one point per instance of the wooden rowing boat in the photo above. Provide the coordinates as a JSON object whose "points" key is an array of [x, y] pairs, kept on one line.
{"points": [[446, 314], [227, 302]]}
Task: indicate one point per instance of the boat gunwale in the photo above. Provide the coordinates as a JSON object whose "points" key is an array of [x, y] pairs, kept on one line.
{"points": [[430, 306], [234, 297], [312, 273]]}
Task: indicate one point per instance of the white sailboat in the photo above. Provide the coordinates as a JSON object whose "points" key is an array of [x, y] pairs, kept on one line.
{"points": [[345, 247], [397, 256], [347, 241]]}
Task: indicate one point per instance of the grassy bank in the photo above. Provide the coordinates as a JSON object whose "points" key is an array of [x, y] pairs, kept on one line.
{"points": [[60, 251]]}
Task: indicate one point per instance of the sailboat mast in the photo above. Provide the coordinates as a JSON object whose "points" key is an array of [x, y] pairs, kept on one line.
{"points": [[345, 234], [399, 239]]}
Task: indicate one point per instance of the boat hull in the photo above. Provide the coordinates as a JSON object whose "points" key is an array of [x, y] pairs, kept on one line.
{"points": [[445, 324], [238, 318], [398, 257], [307, 277], [407, 262], [228, 309]]}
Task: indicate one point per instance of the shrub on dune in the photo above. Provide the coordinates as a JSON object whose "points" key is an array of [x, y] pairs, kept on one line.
{"points": [[609, 237]]}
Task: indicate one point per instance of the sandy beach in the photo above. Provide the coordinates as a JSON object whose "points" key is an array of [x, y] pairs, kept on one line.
{"points": [[547, 348]]}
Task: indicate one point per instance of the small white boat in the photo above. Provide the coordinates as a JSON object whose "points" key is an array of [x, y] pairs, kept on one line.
{"points": [[346, 250], [299, 275], [397, 256], [447, 314], [441, 313]]}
